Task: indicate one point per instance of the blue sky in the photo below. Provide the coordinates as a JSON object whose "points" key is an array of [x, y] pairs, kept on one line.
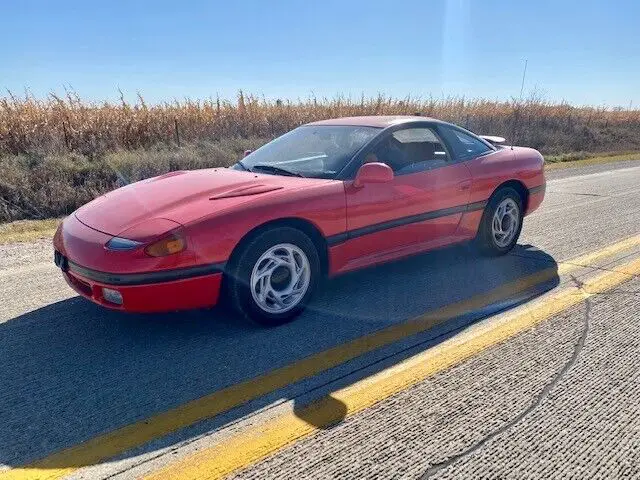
{"points": [[586, 52]]}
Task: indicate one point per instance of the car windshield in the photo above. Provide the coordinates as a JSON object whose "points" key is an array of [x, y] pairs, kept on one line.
{"points": [[318, 151]]}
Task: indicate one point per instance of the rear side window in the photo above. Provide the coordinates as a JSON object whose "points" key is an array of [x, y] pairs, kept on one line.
{"points": [[464, 146], [410, 150]]}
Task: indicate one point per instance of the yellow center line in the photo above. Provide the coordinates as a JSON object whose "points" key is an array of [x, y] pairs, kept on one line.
{"points": [[590, 258], [115, 442], [263, 440]]}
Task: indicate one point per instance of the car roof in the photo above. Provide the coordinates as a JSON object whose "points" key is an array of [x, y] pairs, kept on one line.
{"points": [[379, 121]]}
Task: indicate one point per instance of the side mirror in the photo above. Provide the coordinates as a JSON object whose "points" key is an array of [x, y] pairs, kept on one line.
{"points": [[375, 172], [247, 152]]}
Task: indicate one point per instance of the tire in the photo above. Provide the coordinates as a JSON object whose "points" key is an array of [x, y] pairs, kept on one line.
{"points": [[276, 256], [488, 239]]}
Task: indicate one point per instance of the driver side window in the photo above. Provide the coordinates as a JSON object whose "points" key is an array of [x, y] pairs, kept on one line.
{"points": [[410, 150]]}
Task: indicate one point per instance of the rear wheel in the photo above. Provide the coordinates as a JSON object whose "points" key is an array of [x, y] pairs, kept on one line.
{"points": [[501, 223], [272, 278]]}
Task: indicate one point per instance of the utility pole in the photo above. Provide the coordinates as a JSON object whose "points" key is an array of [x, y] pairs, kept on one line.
{"points": [[524, 74]]}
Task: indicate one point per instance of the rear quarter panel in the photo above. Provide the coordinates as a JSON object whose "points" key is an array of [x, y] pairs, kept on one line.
{"points": [[509, 163]]}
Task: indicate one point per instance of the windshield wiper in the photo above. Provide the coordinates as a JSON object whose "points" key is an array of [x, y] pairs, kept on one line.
{"points": [[244, 167], [274, 169]]}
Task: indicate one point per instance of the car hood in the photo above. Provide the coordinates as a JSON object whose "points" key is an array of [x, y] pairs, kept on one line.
{"points": [[154, 206]]}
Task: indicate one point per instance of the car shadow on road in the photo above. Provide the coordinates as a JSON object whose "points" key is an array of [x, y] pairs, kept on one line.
{"points": [[72, 371]]}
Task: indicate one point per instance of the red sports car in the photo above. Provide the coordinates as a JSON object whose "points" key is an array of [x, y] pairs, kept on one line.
{"points": [[326, 198]]}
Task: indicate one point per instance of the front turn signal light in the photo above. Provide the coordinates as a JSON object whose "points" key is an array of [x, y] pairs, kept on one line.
{"points": [[168, 245]]}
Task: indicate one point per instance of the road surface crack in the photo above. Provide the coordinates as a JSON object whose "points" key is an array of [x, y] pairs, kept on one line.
{"points": [[580, 194], [436, 467]]}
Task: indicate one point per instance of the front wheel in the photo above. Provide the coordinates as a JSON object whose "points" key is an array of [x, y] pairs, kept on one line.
{"points": [[273, 277], [501, 223]]}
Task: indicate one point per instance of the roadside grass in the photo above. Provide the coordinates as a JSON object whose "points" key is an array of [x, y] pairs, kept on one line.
{"points": [[555, 162], [31, 230], [27, 230], [33, 187]]}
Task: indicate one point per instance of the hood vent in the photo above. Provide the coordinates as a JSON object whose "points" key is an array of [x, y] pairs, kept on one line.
{"points": [[244, 191]]}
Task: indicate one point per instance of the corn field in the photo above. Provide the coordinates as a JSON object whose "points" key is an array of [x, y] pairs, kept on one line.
{"points": [[68, 123], [59, 153]]}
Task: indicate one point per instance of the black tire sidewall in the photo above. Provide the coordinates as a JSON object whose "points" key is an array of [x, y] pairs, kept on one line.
{"points": [[239, 274], [485, 238]]}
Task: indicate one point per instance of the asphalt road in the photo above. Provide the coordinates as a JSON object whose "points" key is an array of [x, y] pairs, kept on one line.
{"points": [[71, 371]]}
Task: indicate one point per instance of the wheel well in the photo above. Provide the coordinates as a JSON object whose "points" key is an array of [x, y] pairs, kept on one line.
{"points": [[519, 187], [304, 226]]}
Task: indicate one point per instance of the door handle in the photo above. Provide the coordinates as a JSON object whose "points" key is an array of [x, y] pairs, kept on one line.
{"points": [[466, 185]]}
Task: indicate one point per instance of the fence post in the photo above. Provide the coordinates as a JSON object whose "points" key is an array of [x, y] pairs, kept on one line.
{"points": [[175, 122]]}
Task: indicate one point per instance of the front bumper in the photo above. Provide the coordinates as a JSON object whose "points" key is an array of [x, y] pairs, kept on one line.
{"points": [[182, 294], [144, 284]]}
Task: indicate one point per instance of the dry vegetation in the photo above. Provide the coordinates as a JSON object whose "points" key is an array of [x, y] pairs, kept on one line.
{"points": [[58, 153], [27, 230], [62, 124]]}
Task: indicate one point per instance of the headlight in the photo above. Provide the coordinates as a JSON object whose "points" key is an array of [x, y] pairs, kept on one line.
{"points": [[173, 243], [117, 243]]}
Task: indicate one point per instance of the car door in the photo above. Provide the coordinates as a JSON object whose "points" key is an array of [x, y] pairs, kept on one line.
{"points": [[419, 209]]}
